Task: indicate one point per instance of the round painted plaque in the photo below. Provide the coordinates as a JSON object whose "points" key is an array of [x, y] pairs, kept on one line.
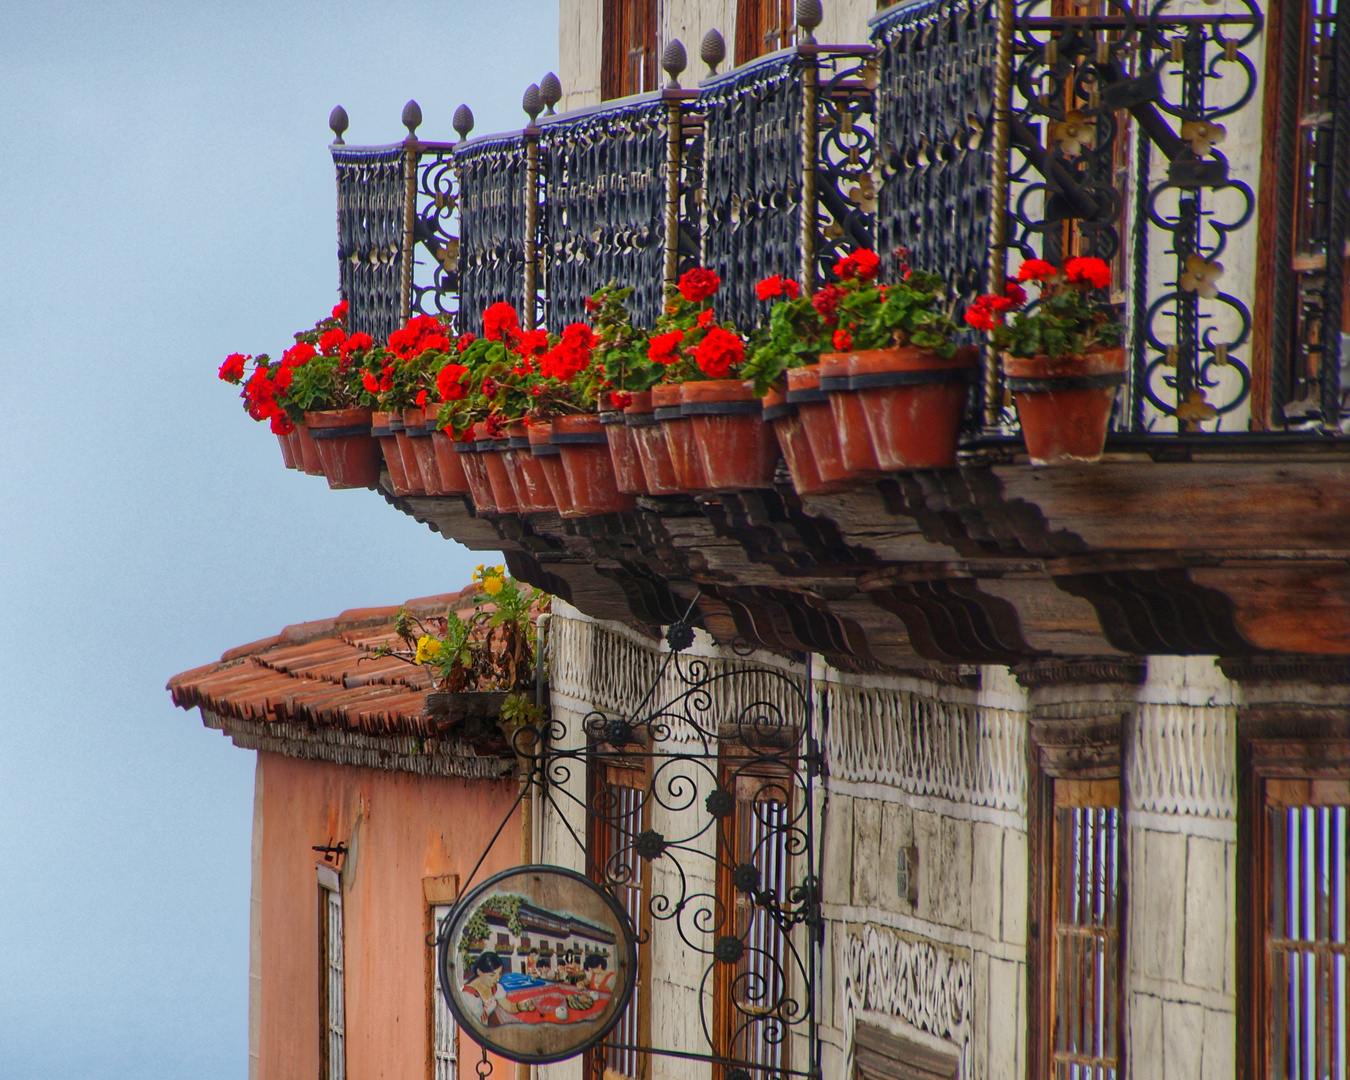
{"points": [[537, 964]]}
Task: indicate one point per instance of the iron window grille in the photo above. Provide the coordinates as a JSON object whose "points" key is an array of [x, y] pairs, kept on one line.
{"points": [[332, 996]]}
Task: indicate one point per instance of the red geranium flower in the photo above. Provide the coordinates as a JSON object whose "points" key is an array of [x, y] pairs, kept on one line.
{"points": [[1092, 270], [698, 284], [499, 321], [281, 424], [843, 340], [340, 311], [233, 369], [1015, 293], [301, 353], [449, 382], [769, 288], [1035, 270], [465, 340], [369, 381], [861, 264], [718, 352], [620, 399], [591, 304], [705, 317], [578, 335], [661, 348], [532, 342], [826, 303], [331, 341], [355, 343], [421, 398]]}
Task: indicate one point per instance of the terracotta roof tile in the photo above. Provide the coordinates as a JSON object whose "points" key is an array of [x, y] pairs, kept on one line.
{"points": [[323, 673]]}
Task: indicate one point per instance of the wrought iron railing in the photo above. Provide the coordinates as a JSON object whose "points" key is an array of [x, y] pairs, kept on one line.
{"points": [[974, 134]]}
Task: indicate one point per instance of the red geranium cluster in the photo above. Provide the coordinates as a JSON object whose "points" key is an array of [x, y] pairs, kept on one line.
{"points": [[423, 333], [860, 265], [501, 323], [772, 287], [661, 348], [987, 312], [718, 352], [571, 355], [826, 303], [450, 382], [232, 371], [353, 344], [698, 284], [260, 399]]}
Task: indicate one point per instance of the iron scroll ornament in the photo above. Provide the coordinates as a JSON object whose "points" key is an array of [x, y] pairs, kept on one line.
{"points": [[549, 1008]]}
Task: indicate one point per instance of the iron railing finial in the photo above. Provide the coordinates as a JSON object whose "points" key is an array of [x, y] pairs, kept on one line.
{"points": [[713, 50], [809, 14], [550, 91], [463, 122], [674, 61], [412, 117], [532, 103], [337, 122]]}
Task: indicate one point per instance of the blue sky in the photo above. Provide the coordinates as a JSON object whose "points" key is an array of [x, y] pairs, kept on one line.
{"points": [[166, 198]]}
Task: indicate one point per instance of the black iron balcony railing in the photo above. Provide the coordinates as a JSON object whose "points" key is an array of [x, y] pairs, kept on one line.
{"points": [[973, 133]]}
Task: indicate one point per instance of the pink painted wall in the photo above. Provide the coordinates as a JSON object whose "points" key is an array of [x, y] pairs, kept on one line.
{"points": [[400, 828]]}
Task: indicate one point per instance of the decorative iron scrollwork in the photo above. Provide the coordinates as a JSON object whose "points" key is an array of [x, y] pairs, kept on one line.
{"points": [[435, 284], [492, 225]]}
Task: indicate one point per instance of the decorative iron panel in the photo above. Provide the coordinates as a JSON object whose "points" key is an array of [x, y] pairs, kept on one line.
{"points": [[1080, 82], [935, 100], [370, 197], [846, 154], [435, 283], [492, 226], [604, 187], [752, 171]]}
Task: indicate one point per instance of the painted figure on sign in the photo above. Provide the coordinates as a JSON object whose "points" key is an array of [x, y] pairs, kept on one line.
{"points": [[485, 983]]}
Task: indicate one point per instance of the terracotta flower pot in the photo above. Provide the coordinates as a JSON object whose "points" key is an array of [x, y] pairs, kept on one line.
{"points": [[393, 460], [418, 439], [411, 472], [913, 402], [288, 447], [309, 453], [684, 455], [817, 419], [850, 422], [449, 464], [475, 472], [628, 474], [649, 440], [738, 449], [527, 473], [550, 456], [587, 464], [792, 441], [489, 453], [1064, 404], [297, 454], [349, 453]]}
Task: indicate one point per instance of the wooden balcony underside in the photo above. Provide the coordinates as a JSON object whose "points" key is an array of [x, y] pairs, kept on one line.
{"points": [[1236, 556]]}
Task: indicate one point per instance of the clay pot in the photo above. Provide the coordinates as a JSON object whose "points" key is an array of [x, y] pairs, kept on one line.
{"points": [[489, 453], [449, 465], [792, 441], [817, 420], [308, 459], [475, 472], [913, 402], [550, 456], [418, 436], [349, 453], [393, 461], [628, 474], [412, 473], [1064, 404], [649, 440], [588, 466], [738, 449], [684, 455], [288, 447], [527, 473], [850, 422]]}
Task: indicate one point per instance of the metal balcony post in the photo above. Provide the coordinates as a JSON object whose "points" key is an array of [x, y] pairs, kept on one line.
{"points": [[998, 208], [810, 153]]}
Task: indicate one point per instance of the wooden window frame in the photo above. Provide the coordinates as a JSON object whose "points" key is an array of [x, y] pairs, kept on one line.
{"points": [[751, 29], [733, 772], [635, 773], [1077, 749], [879, 1055], [330, 886], [438, 892], [617, 18], [1273, 745]]}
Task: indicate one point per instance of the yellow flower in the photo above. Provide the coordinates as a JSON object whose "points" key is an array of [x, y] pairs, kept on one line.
{"points": [[492, 585], [428, 648]]}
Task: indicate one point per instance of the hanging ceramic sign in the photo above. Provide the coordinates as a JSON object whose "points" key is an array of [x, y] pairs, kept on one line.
{"points": [[537, 964]]}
